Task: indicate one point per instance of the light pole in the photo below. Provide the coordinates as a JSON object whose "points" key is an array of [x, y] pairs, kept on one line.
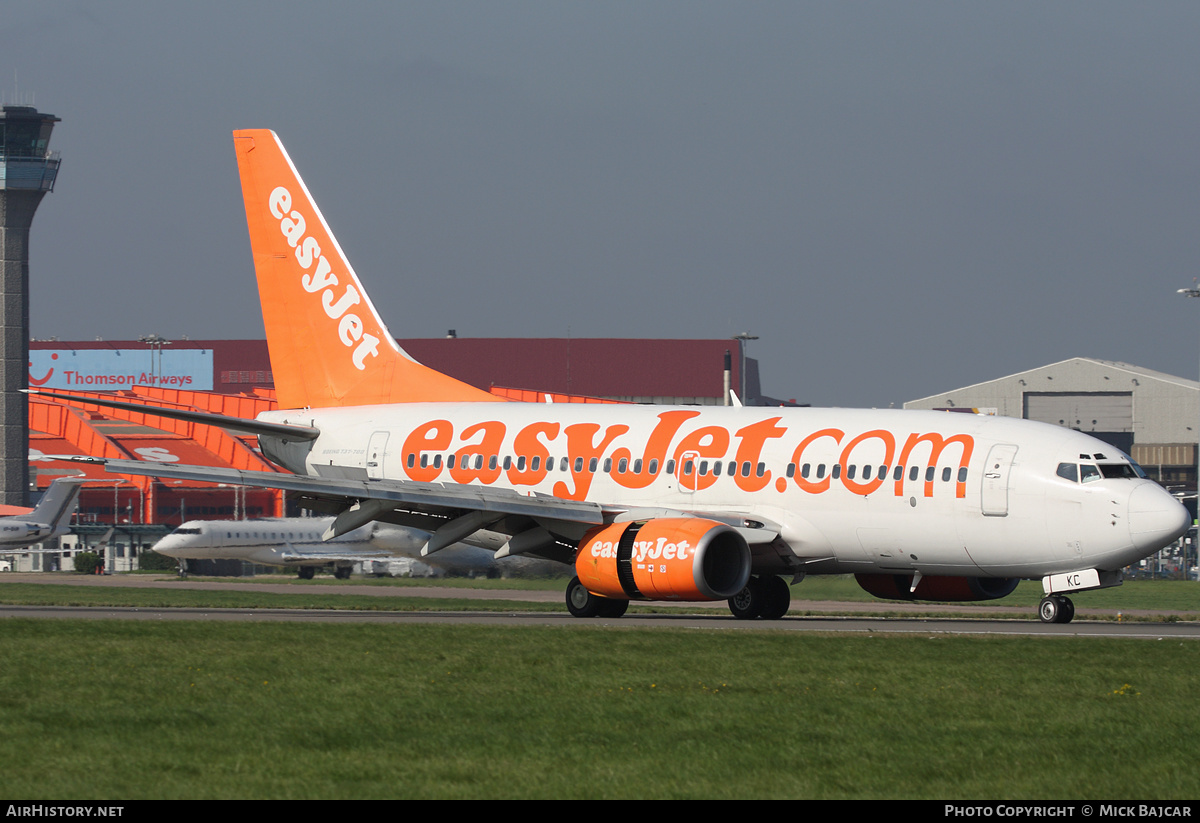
{"points": [[1194, 291], [742, 339], [156, 343]]}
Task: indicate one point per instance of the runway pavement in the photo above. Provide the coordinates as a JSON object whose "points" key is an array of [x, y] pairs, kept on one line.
{"points": [[712, 616]]}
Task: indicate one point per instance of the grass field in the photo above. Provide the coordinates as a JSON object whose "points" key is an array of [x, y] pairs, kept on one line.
{"points": [[124, 710]]}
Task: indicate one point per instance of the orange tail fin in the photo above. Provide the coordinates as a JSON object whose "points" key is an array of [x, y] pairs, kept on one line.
{"points": [[328, 345]]}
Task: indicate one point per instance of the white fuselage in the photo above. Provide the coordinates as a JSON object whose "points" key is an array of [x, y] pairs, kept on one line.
{"points": [[19, 533], [850, 490], [297, 542]]}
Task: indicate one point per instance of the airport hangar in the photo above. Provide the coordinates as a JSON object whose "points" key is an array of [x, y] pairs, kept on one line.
{"points": [[233, 377], [1151, 416]]}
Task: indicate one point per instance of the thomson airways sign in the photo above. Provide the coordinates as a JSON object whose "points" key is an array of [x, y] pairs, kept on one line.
{"points": [[116, 369]]}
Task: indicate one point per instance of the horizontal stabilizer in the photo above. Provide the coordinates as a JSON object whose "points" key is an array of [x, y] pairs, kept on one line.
{"points": [[207, 418]]}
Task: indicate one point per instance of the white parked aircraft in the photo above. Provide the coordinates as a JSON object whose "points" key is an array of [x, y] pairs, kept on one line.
{"points": [[655, 502], [49, 519], [296, 542]]}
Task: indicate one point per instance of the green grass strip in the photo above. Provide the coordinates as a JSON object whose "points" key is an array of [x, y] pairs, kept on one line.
{"points": [[124, 710]]}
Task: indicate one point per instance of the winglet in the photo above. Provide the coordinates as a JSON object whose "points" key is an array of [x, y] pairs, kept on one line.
{"points": [[328, 345]]}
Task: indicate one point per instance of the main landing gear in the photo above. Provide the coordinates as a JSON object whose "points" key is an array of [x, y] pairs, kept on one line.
{"points": [[767, 597], [306, 572], [1056, 608], [582, 603]]}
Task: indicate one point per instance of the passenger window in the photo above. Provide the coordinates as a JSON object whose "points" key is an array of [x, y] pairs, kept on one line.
{"points": [[654, 466], [760, 470], [850, 470], [946, 474], [836, 472], [914, 472], [962, 475], [898, 474], [746, 469], [1088, 473], [592, 464], [1068, 471], [929, 473], [820, 470], [563, 465], [669, 468]]}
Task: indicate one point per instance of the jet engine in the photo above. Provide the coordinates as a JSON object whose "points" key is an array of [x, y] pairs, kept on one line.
{"points": [[897, 587], [664, 559]]}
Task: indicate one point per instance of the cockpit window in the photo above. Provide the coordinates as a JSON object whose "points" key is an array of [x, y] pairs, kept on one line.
{"points": [[1118, 470], [1068, 471], [1088, 473]]}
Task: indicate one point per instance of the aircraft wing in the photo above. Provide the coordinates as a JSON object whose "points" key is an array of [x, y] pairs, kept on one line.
{"points": [[433, 499], [451, 513]]}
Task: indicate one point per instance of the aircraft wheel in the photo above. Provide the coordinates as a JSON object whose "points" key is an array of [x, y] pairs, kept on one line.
{"points": [[306, 572], [1068, 609], [342, 572], [581, 602], [1055, 608], [748, 603], [778, 597], [611, 607]]}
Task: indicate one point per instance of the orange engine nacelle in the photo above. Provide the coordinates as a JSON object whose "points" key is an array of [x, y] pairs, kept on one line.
{"points": [[664, 559], [951, 589]]}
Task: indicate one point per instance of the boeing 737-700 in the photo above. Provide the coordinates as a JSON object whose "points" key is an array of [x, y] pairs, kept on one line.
{"points": [[657, 502]]}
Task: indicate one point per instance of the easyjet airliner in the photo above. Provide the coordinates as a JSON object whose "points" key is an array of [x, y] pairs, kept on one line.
{"points": [[657, 502]]}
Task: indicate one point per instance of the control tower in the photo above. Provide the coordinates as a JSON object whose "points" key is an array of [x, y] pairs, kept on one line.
{"points": [[27, 172]]}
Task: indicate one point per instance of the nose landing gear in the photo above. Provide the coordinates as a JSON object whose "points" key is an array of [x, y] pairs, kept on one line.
{"points": [[1056, 608]]}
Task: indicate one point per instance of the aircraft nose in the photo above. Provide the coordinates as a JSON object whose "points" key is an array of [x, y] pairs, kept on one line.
{"points": [[165, 546], [1155, 517]]}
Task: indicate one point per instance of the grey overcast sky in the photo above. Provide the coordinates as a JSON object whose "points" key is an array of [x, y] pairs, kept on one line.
{"points": [[898, 198]]}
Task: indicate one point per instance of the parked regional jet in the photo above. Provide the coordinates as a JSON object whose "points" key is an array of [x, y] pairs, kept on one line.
{"points": [[296, 542], [656, 502], [50, 518]]}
